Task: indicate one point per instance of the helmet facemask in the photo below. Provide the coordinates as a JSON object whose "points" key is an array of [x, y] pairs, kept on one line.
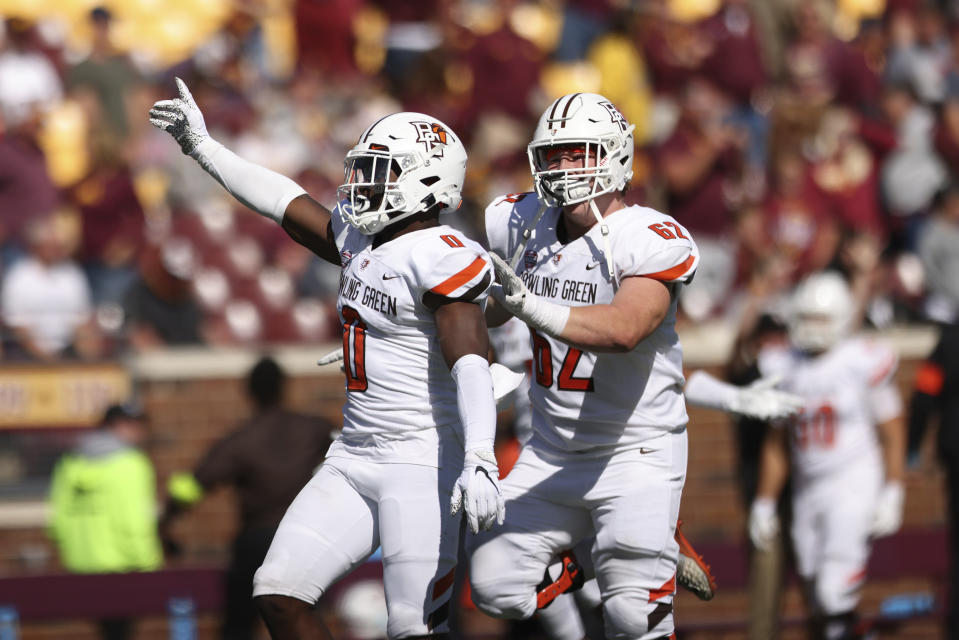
{"points": [[597, 176], [377, 187]]}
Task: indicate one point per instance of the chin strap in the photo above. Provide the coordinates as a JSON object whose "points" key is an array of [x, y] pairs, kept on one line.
{"points": [[527, 232], [604, 229]]}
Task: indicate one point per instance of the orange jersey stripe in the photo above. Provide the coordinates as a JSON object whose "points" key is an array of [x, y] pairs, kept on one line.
{"points": [[444, 583], [667, 589], [457, 280], [673, 272]]}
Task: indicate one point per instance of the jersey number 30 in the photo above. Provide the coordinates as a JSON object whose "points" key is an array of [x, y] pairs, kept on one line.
{"points": [[543, 367], [354, 349], [816, 428]]}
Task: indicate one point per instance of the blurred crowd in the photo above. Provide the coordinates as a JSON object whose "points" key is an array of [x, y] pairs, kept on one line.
{"points": [[787, 135]]}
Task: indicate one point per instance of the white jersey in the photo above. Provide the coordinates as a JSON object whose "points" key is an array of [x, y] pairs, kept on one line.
{"points": [[847, 392], [399, 389], [584, 400]]}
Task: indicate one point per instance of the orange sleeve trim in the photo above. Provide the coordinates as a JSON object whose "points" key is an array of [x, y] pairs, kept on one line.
{"points": [[673, 272], [929, 379], [457, 280]]}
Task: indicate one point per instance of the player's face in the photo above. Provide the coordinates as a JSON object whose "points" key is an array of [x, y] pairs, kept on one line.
{"points": [[565, 157], [373, 172], [569, 158]]}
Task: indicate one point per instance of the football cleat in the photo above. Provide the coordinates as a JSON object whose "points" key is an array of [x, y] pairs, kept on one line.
{"points": [[570, 579], [691, 572]]}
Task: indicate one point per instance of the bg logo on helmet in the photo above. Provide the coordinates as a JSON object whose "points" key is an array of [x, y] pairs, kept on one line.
{"points": [[615, 115], [431, 135]]}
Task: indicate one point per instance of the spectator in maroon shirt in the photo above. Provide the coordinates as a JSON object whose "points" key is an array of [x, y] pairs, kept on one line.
{"points": [[505, 69], [26, 190], [846, 171], [113, 220], [822, 67], [798, 217], [735, 64], [325, 35], [702, 161], [673, 50]]}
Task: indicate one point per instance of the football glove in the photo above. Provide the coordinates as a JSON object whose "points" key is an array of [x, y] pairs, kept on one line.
{"points": [[477, 493], [763, 523], [181, 118], [888, 517], [518, 300], [763, 401]]}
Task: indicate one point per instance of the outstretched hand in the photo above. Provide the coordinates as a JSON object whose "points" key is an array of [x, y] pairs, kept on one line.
{"points": [[761, 400], [181, 118]]}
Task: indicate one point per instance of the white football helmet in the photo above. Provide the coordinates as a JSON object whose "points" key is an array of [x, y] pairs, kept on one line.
{"points": [[590, 123], [403, 163], [821, 312]]}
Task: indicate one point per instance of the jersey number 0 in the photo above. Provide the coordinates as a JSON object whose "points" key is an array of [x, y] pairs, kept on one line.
{"points": [[354, 349]]}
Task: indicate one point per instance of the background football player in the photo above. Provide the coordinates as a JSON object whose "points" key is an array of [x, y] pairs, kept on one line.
{"points": [[846, 449], [417, 380]]}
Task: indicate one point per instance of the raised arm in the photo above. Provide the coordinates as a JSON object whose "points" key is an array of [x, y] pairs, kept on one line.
{"points": [[268, 193]]}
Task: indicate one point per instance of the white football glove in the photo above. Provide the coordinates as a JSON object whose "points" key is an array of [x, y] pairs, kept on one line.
{"points": [[763, 401], [763, 523], [517, 299], [181, 118], [889, 507], [477, 491]]}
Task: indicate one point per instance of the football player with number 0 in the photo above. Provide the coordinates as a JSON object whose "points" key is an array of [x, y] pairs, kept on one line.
{"points": [[418, 386]]}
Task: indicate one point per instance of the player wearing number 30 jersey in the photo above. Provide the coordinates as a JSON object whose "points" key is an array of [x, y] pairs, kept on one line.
{"points": [[847, 451]]}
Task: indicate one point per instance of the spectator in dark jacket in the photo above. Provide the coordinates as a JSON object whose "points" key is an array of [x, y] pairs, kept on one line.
{"points": [[267, 460]]}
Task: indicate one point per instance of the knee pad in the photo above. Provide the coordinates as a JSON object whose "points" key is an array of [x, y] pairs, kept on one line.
{"points": [[629, 616], [503, 599], [498, 587]]}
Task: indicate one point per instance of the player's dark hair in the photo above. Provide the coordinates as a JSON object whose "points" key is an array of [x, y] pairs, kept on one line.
{"points": [[265, 383]]}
